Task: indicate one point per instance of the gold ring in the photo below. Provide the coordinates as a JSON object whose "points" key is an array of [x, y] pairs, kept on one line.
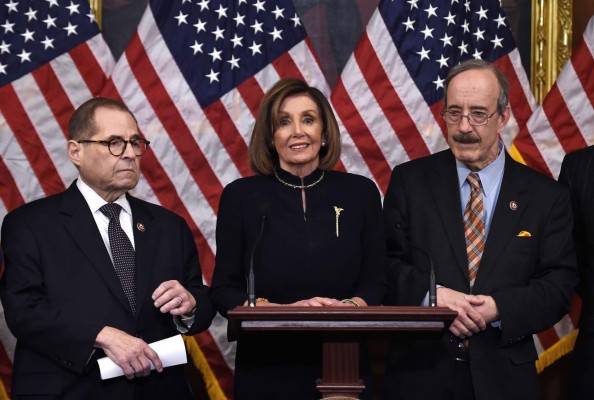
{"points": [[180, 300]]}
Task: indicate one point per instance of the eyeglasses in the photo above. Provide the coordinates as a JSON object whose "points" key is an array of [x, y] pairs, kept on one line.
{"points": [[475, 118], [117, 146]]}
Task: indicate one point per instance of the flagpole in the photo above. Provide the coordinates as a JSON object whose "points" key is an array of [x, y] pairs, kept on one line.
{"points": [[551, 44]]}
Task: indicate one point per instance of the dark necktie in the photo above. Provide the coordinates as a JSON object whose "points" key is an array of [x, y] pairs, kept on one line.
{"points": [[474, 226], [122, 252]]}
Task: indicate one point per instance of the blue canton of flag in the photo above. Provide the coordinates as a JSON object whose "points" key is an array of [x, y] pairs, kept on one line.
{"points": [[218, 44], [35, 32], [434, 35]]}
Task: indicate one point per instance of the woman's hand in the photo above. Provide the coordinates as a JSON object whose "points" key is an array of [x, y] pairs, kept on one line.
{"points": [[313, 302], [317, 302]]}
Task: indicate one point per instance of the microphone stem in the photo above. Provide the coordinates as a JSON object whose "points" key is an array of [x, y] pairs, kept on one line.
{"points": [[251, 284], [432, 287]]}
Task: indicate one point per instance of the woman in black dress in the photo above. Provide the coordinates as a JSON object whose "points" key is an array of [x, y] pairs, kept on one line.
{"points": [[322, 244]]}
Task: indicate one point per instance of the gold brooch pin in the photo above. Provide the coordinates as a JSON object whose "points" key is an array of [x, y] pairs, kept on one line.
{"points": [[337, 211]]}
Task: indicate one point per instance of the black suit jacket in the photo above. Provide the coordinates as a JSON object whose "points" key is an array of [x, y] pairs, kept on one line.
{"points": [[577, 173], [60, 289], [531, 277]]}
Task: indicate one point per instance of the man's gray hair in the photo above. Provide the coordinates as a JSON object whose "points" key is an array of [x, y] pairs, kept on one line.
{"points": [[471, 64]]}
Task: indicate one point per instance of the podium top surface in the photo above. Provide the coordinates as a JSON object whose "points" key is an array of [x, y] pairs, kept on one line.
{"points": [[380, 318]]}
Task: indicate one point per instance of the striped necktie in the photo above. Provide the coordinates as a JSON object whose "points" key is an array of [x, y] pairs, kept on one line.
{"points": [[122, 252], [474, 226]]}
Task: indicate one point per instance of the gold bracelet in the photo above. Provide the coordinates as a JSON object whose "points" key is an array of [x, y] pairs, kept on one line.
{"points": [[261, 300], [351, 302]]}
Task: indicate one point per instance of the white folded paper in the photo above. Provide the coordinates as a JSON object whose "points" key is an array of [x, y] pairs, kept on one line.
{"points": [[171, 351]]}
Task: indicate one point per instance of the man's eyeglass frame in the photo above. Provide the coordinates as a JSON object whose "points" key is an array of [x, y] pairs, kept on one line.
{"points": [[468, 117], [114, 141]]}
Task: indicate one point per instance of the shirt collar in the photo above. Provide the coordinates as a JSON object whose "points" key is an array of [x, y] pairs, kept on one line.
{"points": [[490, 175], [95, 201]]}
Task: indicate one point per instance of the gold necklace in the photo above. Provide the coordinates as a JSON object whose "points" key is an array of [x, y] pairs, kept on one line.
{"points": [[298, 186]]}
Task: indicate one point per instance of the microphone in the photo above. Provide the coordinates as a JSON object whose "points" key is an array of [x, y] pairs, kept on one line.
{"points": [[263, 211], [432, 283]]}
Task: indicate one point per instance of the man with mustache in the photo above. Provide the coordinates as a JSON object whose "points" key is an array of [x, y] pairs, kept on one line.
{"points": [[499, 237], [94, 272]]}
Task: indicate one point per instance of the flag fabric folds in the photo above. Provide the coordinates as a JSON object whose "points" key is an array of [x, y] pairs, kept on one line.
{"points": [[389, 94], [565, 121]]}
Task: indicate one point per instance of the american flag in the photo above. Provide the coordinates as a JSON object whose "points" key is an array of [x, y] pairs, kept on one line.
{"points": [[52, 58], [565, 121], [389, 94]]}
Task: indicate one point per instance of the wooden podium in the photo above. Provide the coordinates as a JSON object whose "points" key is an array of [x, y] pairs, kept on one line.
{"points": [[341, 329]]}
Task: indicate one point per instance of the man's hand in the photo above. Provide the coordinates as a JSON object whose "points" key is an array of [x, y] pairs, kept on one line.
{"points": [[469, 320], [132, 355], [171, 297], [488, 309]]}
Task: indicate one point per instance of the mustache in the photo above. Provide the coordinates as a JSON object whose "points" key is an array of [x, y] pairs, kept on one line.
{"points": [[465, 138]]}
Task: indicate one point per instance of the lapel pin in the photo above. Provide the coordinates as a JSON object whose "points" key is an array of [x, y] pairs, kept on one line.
{"points": [[140, 226], [513, 205]]}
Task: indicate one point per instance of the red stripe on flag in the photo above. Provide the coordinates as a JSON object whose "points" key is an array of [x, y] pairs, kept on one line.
{"points": [[517, 98], [285, 67], [548, 338], [339, 167], [166, 192], [313, 51], [172, 121], [89, 69], [530, 153], [221, 121], [252, 94], [24, 132], [575, 309], [365, 142], [436, 110], [583, 64], [55, 96], [389, 100], [562, 121], [9, 191]]}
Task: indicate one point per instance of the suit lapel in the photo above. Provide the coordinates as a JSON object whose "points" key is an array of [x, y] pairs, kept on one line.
{"points": [[511, 203], [446, 194], [146, 237], [84, 233]]}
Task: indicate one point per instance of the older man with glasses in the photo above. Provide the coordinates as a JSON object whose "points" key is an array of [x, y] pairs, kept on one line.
{"points": [[94, 272], [499, 237]]}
